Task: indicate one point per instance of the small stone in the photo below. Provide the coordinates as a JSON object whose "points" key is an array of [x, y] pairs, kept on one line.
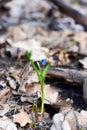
{"points": [[76, 120], [66, 125], [84, 113], [71, 118], [57, 122]]}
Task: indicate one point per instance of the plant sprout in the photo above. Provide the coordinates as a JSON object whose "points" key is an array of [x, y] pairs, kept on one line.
{"points": [[41, 71]]}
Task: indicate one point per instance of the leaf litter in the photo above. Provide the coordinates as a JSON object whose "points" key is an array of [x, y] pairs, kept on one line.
{"points": [[29, 26]]}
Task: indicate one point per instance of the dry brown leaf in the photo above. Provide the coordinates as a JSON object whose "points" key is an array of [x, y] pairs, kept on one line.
{"points": [[4, 92], [81, 37], [4, 95], [38, 52], [32, 78], [4, 108], [29, 99], [22, 118], [73, 48], [12, 82], [62, 57], [28, 76], [2, 43], [34, 88], [41, 31], [3, 83], [13, 51], [18, 34], [51, 94]]}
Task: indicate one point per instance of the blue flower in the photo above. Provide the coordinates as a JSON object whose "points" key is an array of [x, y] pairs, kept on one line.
{"points": [[44, 62]]}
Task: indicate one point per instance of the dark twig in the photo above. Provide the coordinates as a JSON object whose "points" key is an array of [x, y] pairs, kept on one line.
{"points": [[79, 18]]}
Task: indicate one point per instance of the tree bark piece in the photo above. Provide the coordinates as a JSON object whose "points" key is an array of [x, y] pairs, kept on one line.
{"points": [[79, 18], [70, 74]]}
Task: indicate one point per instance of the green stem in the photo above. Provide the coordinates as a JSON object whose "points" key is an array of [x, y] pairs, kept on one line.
{"points": [[42, 104]]}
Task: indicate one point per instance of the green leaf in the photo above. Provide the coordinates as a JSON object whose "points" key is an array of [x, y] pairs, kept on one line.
{"points": [[38, 64], [73, 42], [36, 69], [28, 56], [34, 107], [45, 71]]}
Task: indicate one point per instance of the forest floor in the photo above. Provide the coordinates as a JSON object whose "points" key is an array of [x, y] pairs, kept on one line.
{"points": [[40, 28]]}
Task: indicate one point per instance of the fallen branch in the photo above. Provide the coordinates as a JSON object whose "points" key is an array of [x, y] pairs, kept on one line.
{"points": [[79, 18], [70, 74], [2, 2]]}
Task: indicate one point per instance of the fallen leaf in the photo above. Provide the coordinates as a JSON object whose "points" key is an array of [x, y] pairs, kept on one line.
{"points": [[2, 83], [12, 82], [63, 57], [33, 46], [4, 95], [27, 77], [4, 91], [4, 108], [18, 34], [22, 118], [81, 38], [64, 105], [33, 89], [29, 99], [11, 51], [7, 124], [51, 94]]}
